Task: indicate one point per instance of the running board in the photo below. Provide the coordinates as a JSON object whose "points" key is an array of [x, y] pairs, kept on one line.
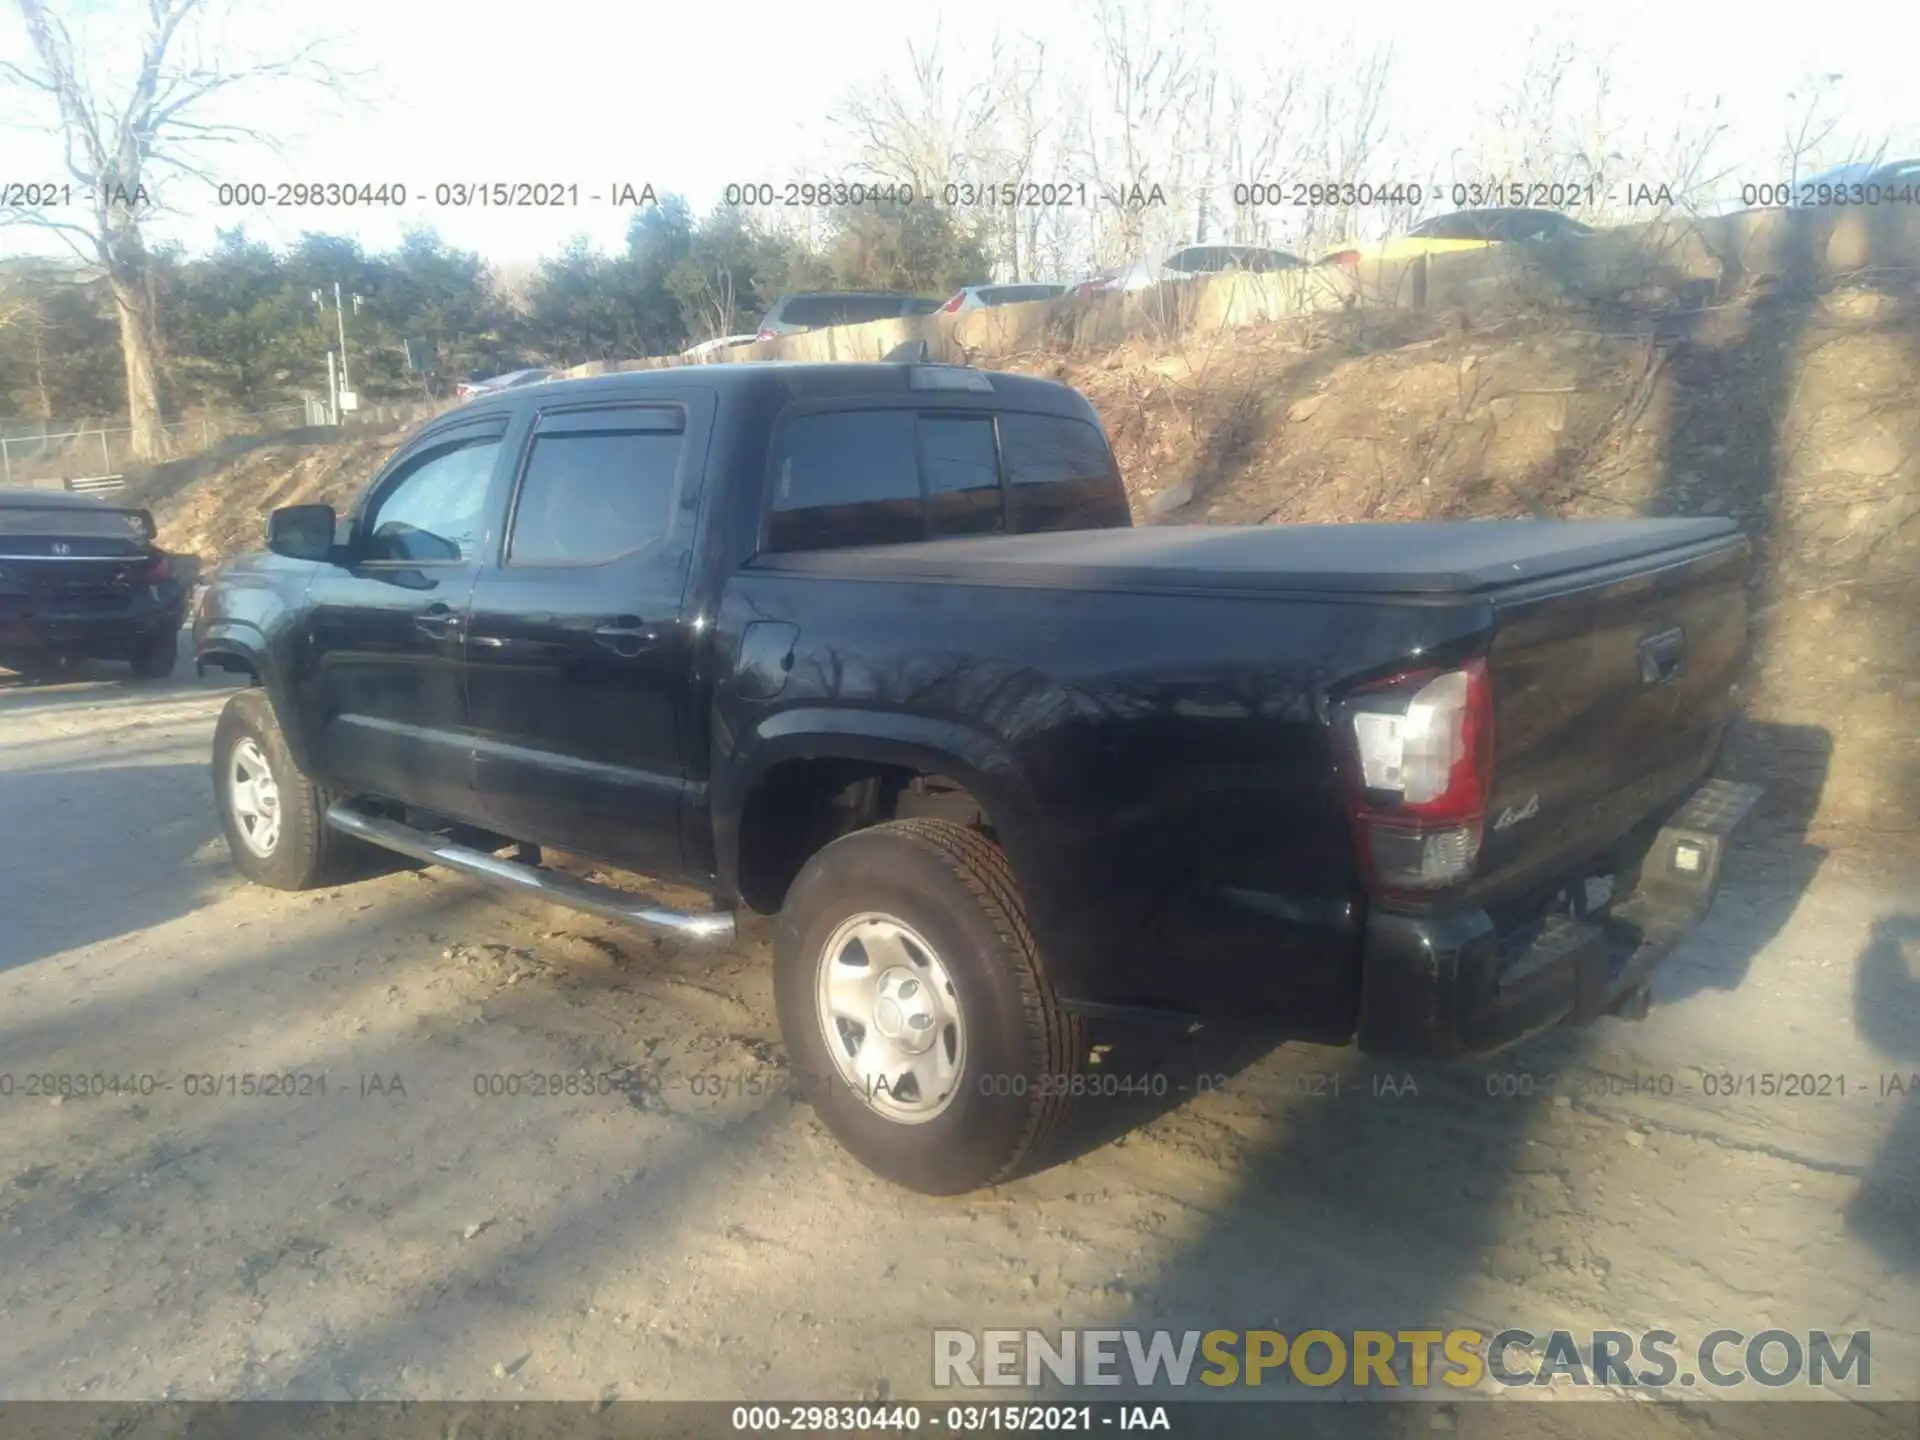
{"points": [[602, 900]]}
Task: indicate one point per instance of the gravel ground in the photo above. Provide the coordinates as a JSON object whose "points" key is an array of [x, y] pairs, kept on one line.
{"points": [[405, 1234]]}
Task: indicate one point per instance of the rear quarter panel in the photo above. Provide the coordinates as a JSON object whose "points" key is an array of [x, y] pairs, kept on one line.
{"points": [[1157, 765]]}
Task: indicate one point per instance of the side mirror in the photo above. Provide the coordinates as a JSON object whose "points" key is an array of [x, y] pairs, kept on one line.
{"points": [[301, 532]]}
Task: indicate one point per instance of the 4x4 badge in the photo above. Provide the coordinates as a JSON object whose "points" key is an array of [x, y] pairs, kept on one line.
{"points": [[1511, 816]]}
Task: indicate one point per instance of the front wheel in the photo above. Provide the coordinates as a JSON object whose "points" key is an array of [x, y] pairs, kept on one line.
{"points": [[274, 816], [916, 1010]]}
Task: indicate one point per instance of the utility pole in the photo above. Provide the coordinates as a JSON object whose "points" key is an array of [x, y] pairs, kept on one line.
{"points": [[344, 391], [340, 316]]}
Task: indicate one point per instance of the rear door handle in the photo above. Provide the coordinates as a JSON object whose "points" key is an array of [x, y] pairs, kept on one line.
{"points": [[438, 620], [624, 635]]}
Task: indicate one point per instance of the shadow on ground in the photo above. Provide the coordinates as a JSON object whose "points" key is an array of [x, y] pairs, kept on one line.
{"points": [[1887, 1010]]}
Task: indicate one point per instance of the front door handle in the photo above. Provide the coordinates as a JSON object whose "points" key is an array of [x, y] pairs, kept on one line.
{"points": [[438, 621], [624, 635]]}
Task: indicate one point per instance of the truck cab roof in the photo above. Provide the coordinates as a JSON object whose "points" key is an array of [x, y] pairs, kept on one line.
{"points": [[801, 380]]}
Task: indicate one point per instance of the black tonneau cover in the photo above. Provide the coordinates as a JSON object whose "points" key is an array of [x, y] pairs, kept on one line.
{"points": [[1451, 558]]}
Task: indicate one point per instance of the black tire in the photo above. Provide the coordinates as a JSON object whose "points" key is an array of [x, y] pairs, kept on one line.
{"points": [[953, 887], [157, 658], [306, 852]]}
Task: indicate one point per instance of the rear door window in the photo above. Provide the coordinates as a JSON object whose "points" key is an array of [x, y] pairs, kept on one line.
{"points": [[597, 485], [1060, 475]]}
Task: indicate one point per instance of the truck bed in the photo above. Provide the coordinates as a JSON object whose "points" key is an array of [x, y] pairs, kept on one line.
{"points": [[1453, 558]]}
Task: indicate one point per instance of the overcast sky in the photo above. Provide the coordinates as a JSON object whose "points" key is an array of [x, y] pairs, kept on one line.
{"points": [[690, 96]]}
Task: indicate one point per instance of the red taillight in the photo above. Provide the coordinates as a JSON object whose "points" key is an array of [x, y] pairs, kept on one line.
{"points": [[159, 568], [1418, 755], [766, 335], [952, 305], [1347, 259]]}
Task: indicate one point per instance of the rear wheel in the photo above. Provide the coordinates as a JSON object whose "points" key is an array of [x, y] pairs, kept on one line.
{"points": [[158, 656], [274, 816], [916, 1010]]}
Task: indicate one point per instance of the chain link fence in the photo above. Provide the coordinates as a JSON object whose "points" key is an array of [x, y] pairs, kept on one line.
{"points": [[85, 455], [92, 456]]}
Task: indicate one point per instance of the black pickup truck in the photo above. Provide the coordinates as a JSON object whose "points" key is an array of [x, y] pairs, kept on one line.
{"points": [[81, 579], [876, 648]]}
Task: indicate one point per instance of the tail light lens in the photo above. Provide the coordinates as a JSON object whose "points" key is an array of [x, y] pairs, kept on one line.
{"points": [[1346, 259], [766, 335], [953, 305], [1419, 762], [159, 568]]}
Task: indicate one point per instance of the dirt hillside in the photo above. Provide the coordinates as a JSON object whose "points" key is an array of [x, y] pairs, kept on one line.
{"points": [[1791, 412]]}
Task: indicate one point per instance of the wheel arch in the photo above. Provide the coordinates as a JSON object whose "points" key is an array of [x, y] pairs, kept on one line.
{"points": [[803, 758], [239, 647]]}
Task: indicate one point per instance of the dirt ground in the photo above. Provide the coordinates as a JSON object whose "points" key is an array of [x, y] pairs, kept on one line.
{"points": [[406, 1234]]}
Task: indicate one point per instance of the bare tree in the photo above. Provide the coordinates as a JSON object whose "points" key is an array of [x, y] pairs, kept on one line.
{"points": [[931, 134], [1813, 122], [1261, 144], [1349, 131], [122, 145], [1156, 73], [1025, 125]]}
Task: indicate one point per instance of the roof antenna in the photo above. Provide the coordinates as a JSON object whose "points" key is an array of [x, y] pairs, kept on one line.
{"points": [[913, 352]]}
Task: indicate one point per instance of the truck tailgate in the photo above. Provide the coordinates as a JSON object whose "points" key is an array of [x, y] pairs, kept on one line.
{"points": [[1611, 689]]}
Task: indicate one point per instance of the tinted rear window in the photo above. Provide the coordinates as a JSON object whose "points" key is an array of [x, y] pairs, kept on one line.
{"points": [[856, 478], [88, 524], [851, 478], [1060, 475], [963, 475]]}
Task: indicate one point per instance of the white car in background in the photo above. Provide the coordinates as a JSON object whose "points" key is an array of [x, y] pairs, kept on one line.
{"points": [[512, 380], [709, 348], [981, 297]]}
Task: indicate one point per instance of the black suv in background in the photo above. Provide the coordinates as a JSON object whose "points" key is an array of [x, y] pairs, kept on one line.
{"points": [[81, 579], [818, 309]]}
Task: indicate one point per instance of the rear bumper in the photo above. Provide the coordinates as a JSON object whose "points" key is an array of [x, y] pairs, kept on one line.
{"points": [[1459, 984], [29, 623]]}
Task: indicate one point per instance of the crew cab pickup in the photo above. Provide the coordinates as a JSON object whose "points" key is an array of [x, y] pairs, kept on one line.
{"points": [[81, 579], [876, 648]]}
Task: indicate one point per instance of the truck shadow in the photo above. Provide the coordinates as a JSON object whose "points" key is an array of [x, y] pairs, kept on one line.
{"points": [[1371, 1194], [1886, 1212], [147, 877], [1790, 763]]}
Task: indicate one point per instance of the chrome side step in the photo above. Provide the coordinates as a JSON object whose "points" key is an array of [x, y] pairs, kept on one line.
{"points": [[602, 900]]}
